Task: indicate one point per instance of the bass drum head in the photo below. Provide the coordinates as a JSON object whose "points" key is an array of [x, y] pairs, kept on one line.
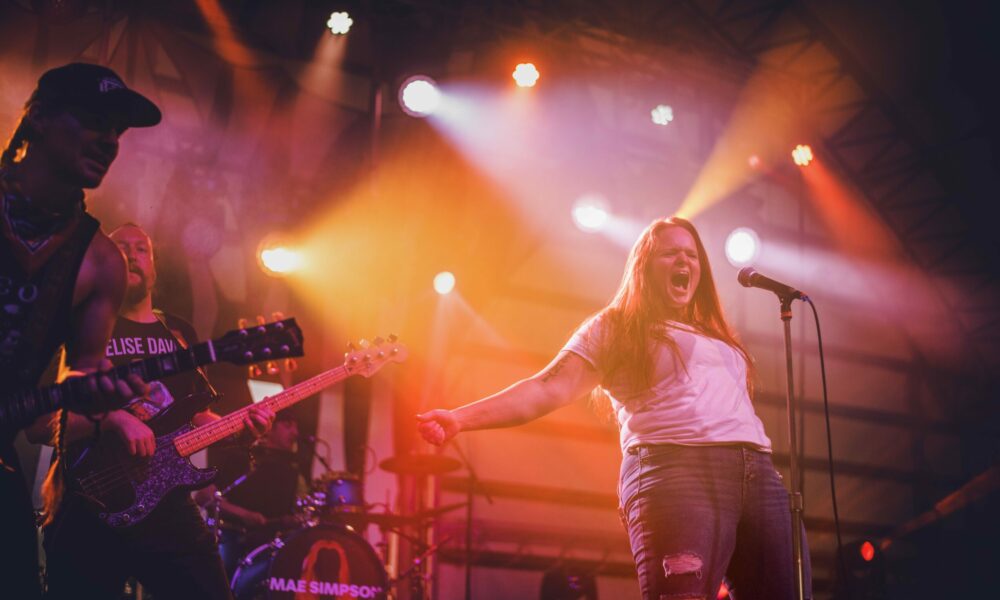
{"points": [[314, 563]]}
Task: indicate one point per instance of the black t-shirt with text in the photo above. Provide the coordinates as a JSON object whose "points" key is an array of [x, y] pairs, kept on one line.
{"points": [[132, 340]]}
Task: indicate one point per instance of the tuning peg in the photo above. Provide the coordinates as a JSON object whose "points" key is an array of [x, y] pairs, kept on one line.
{"points": [[277, 316], [291, 364], [351, 347], [272, 368], [255, 371], [241, 323], [261, 320], [364, 343], [378, 341], [392, 338]]}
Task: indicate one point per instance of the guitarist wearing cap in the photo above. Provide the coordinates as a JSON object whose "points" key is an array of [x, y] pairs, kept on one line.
{"points": [[61, 279], [171, 552]]}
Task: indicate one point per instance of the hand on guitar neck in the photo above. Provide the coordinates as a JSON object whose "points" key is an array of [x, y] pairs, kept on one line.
{"points": [[139, 440], [104, 391]]}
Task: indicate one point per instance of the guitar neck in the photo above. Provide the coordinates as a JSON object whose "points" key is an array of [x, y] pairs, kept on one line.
{"points": [[233, 423], [23, 407]]}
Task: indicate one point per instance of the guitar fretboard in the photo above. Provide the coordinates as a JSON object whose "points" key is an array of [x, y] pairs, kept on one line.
{"points": [[23, 407], [233, 423]]}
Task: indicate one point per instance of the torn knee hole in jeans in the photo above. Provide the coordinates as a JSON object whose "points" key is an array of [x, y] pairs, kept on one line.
{"points": [[683, 563]]}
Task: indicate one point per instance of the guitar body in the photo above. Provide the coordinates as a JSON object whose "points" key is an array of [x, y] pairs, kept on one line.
{"points": [[124, 489]]}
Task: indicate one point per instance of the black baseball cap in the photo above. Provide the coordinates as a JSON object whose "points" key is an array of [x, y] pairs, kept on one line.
{"points": [[95, 88]]}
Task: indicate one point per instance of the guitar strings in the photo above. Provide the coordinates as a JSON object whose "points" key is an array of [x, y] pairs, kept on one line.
{"points": [[103, 480]]}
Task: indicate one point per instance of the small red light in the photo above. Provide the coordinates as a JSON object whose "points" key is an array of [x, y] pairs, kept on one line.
{"points": [[867, 551], [753, 161], [723, 591]]}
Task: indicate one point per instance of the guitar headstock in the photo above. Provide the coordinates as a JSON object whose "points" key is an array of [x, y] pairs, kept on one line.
{"points": [[366, 357], [262, 342]]}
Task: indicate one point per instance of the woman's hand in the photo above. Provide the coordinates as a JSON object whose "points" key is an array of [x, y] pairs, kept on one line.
{"points": [[438, 426]]}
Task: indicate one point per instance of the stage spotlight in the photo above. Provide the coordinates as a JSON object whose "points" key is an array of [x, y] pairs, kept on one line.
{"points": [[278, 260], [526, 75], [662, 114], [339, 23], [419, 96], [590, 213], [742, 247], [802, 155], [444, 282]]}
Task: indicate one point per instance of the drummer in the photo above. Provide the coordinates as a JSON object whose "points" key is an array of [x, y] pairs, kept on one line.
{"points": [[264, 502]]}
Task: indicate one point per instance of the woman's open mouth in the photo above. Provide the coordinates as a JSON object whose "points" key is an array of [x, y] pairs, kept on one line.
{"points": [[680, 281]]}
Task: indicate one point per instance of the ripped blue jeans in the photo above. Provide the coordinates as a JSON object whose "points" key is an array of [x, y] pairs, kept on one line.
{"points": [[696, 513]]}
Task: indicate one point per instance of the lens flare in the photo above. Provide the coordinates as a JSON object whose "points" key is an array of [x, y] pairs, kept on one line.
{"points": [[419, 96], [742, 247], [444, 282]]}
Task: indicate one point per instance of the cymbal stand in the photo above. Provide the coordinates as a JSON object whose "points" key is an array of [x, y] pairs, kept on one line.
{"points": [[473, 485], [215, 507], [418, 579]]}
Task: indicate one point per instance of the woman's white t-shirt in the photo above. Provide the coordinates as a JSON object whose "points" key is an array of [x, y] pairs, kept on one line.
{"points": [[698, 398]]}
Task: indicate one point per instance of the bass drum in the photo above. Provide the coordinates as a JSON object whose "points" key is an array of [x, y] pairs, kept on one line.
{"points": [[314, 563]]}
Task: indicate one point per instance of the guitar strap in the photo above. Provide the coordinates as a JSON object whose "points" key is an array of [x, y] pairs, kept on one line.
{"points": [[179, 337]]}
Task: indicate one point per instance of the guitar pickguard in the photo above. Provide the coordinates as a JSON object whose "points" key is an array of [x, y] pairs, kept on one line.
{"points": [[126, 491]]}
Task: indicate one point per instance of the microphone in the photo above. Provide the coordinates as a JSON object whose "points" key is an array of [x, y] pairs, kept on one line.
{"points": [[749, 277]]}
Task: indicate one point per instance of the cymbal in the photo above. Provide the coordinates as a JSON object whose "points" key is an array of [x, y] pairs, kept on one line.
{"points": [[419, 464], [387, 519], [384, 519]]}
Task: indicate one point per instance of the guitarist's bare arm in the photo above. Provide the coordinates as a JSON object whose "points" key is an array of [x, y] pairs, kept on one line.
{"points": [[97, 296], [99, 291]]}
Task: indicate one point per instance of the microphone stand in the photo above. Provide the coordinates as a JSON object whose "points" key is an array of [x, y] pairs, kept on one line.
{"points": [[795, 501], [473, 484]]}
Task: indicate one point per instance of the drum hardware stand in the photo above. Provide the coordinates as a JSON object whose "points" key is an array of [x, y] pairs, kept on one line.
{"points": [[418, 579], [315, 451], [215, 509], [473, 485]]}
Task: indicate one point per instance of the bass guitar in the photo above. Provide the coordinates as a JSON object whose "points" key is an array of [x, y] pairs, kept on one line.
{"points": [[123, 490], [280, 339]]}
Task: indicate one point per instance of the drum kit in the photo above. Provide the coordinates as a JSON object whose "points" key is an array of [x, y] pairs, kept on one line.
{"points": [[320, 552]]}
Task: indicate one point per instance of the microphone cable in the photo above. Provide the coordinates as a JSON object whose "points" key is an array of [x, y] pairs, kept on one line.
{"points": [[829, 452]]}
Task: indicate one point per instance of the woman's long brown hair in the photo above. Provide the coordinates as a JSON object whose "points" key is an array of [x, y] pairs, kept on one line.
{"points": [[633, 320]]}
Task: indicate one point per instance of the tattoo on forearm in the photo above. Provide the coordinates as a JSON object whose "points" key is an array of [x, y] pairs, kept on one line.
{"points": [[554, 369]]}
